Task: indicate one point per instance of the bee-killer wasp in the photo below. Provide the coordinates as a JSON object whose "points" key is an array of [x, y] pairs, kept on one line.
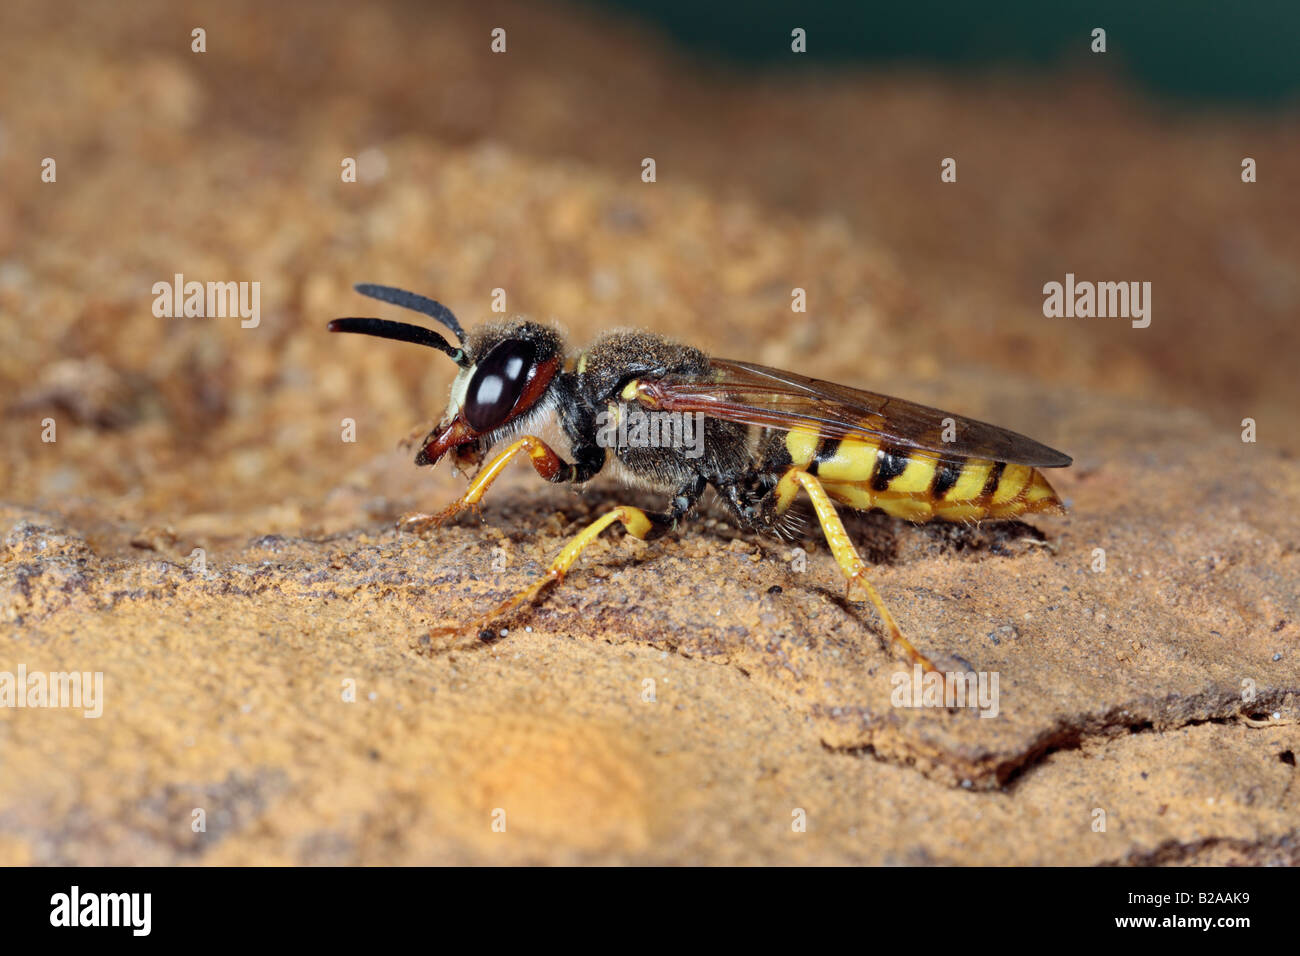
{"points": [[767, 434]]}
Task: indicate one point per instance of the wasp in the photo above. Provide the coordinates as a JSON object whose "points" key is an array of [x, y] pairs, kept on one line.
{"points": [[767, 436]]}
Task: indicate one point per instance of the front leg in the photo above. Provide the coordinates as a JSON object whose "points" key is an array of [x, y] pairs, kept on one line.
{"points": [[545, 462]]}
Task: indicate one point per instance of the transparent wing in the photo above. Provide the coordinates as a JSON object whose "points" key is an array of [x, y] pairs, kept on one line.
{"points": [[773, 398]]}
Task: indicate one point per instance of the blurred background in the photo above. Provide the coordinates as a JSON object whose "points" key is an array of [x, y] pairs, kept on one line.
{"points": [[186, 508], [522, 170]]}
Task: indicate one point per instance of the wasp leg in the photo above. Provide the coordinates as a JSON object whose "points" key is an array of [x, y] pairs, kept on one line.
{"points": [[640, 524], [850, 563], [544, 460]]}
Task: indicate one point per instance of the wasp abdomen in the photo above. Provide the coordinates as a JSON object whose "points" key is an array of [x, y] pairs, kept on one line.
{"points": [[917, 485]]}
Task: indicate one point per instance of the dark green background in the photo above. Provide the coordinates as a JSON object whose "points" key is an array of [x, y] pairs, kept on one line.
{"points": [[1245, 51]]}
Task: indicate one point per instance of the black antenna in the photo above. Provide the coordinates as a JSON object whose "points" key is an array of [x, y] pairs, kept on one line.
{"points": [[416, 303], [401, 332]]}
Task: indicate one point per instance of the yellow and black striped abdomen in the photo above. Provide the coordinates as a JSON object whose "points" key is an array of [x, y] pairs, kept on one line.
{"points": [[917, 485]]}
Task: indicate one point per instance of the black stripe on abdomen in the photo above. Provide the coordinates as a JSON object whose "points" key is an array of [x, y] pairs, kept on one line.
{"points": [[890, 463], [991, 483], [945, 476], [826, 450]]}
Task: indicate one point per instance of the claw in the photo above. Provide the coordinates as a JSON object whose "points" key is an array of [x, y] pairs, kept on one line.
{"points": [[446, 514], [416, 523], [487, 627], [895, 635], [447, 638], [419, 522]]}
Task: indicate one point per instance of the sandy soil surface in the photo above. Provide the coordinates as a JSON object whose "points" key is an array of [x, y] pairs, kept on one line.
{"points": [[201, 533]]}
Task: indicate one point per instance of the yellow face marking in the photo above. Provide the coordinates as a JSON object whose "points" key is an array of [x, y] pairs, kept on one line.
{"points": [[916, 477], [582, 363], [974, 473], [853, 461], [629, 391], [802, 444], [1013, 481]]}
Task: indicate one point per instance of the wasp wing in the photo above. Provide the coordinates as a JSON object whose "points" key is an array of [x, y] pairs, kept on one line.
{"points": [[774, 398]]}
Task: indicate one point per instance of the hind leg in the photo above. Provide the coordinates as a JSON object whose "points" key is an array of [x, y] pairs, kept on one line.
{"points": [[846, 556]]}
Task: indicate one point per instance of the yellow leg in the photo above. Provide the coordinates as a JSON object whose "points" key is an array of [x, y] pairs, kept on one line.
{"points": [[638, 525], [546, 462], [854, 567]]}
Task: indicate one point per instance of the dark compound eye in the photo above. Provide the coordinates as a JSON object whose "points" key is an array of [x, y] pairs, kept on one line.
{"points": [[497, 384]]}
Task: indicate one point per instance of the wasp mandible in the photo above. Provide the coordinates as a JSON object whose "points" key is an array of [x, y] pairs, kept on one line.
{"points": [[768, 435]]}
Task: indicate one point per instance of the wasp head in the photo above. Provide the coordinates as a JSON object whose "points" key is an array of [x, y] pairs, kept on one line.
{"points": [[506, 374]]}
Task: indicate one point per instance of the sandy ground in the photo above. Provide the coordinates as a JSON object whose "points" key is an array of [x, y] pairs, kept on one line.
{"points": [[706, 698]]}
